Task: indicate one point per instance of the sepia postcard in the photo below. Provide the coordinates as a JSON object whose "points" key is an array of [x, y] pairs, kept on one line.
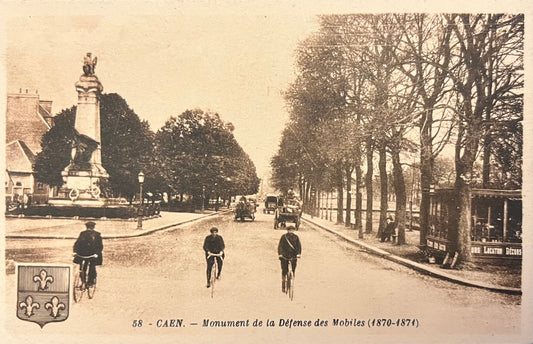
{"points": [[266, 171]]}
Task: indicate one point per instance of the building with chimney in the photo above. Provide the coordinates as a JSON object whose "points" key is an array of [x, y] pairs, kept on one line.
{"points": [[28, 118]]}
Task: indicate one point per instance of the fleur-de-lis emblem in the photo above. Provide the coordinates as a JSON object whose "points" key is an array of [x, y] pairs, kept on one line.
{"points": [[54, 306], [43, 293], [29, 305], [43, 279]]}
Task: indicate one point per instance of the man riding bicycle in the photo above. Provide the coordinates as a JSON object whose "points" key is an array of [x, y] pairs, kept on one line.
{"points": [[289, 249], [89, 243], [213, 244]]}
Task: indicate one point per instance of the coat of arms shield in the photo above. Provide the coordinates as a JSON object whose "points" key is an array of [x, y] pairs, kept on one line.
{"points": [[43, 293]]}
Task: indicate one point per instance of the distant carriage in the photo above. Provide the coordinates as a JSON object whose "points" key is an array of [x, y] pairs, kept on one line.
{"points": [[244, 209]]}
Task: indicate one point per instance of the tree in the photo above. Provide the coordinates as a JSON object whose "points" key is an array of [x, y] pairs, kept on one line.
{"points": [[285, 172], [424, 57], [444, 172], [327, 95], [126, 147], [56, 149], [316, 100], [506, 155], [480, 40], [392, 104], [349, 89], [197, 151]]}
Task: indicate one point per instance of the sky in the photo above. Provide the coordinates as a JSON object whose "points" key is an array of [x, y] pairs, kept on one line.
{"points": [[164, 57], [234, 63]]}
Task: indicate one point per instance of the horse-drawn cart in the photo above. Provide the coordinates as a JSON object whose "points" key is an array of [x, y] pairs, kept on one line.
{"points": [[290, 212]]}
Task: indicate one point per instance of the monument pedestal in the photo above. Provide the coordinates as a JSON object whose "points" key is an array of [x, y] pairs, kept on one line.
{"points": [[82, 177]]}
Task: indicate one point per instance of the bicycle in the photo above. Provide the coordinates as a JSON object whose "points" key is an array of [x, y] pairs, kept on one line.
{"points": [[289, 286], [214, 270], [80, 282]]}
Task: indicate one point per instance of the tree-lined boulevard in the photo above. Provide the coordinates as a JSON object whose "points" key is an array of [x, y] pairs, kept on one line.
{"points": [[385, 87], [161, 276], [391, 87]]}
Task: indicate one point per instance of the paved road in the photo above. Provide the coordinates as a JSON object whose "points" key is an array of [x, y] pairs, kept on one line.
{"points": [[162, 276]]}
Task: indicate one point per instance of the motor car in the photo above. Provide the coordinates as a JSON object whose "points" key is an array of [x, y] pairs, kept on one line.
{"points": [[271, 204]]}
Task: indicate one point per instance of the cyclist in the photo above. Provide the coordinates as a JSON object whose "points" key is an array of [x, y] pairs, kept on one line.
{"points": [[213, 244], [289, 249], [89, 242]]}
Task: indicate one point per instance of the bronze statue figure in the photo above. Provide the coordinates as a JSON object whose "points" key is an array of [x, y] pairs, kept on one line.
{"points": [[89, 64], [83, 147]]}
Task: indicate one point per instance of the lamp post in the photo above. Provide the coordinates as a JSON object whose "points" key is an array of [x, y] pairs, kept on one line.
{"points": [[140, 210]]}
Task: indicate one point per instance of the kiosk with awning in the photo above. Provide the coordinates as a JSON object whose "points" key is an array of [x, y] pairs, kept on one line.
{"points": [[496, 226]]}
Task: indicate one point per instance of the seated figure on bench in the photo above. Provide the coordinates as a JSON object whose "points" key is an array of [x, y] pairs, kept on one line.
{"points": [[389, 230]]}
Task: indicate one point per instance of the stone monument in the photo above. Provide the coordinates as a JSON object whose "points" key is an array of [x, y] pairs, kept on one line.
{"points": [[83, 175]]}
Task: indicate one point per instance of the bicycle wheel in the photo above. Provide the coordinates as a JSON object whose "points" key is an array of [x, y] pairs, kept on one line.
{"points": [[214, 271], [290, 284], [91, 290], [78, 287]]}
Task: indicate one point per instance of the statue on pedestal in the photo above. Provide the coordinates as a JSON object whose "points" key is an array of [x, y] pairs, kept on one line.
{"points": [[85, 172], [89, 64]]}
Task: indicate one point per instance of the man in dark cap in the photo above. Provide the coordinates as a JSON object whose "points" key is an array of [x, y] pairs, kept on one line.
{"points": [[89, 244], [289, 249], [214, 244]]}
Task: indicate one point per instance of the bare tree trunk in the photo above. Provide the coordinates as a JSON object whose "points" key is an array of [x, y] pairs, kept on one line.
{"points": [[309, 202], [348, 171], [313, 201], [460, 224], [426, 173], [401, 196], [488, 111], [384, 183], [358, 200], [340, 195], [462, 236], [301, 188], [368, 183], [486, 162], [318, 203]]}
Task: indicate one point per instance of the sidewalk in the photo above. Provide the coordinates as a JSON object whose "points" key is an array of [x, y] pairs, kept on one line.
{"points": [[494, 278], [51, 228]]}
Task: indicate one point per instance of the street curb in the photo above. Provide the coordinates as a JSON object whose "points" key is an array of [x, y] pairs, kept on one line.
{"points": [[121, 236], [417, 266]]}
